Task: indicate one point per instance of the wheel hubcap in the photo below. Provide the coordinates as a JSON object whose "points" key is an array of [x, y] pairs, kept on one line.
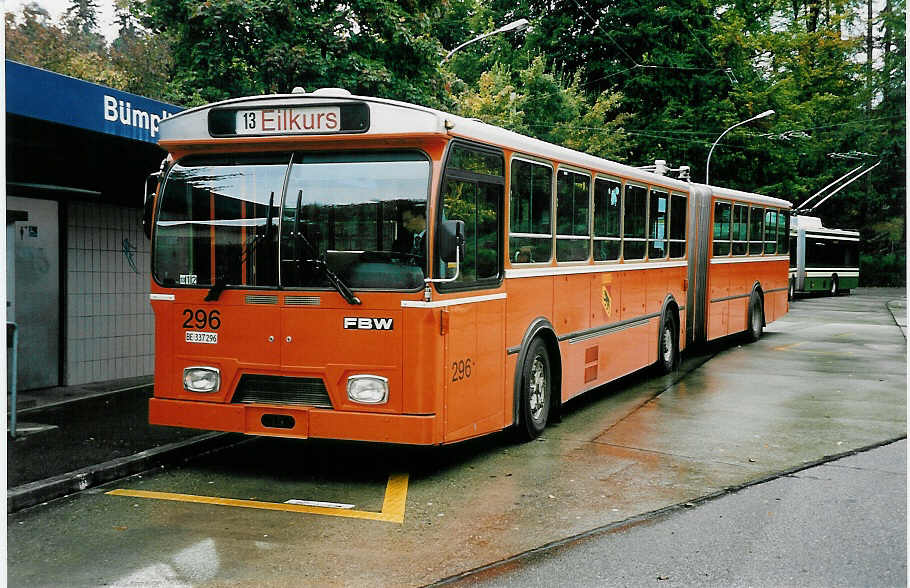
{"points": [[668, 345], [537, 387]]}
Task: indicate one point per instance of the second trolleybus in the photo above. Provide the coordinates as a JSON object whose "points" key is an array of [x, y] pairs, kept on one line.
{"points": [[338, 266], [822, 260]]}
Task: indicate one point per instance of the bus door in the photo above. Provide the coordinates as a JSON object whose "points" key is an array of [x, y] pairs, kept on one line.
{"points": [[473, 324]]}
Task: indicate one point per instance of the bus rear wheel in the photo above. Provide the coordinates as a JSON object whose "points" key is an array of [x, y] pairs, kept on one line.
{"points": [[668, 346], [536, 389], [756, 319], [834, 288]]}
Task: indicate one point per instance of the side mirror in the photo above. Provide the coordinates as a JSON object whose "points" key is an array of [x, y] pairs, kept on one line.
{"points": [[149, 203], [451, 240]]}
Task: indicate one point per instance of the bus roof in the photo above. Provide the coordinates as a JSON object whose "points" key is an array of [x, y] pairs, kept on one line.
{"points": [[391, 117], [814, 225]]}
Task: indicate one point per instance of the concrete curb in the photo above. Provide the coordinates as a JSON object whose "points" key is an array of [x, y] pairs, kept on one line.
{"points": [[898, 310], [41, 491]]}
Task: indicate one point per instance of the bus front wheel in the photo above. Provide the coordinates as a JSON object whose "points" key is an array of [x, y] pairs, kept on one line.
{"points": [[834, 288], [536, 389]]}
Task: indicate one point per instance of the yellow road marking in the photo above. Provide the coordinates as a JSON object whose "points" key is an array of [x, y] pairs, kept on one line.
{"points": [[393, 505], [787, 347], [792, 345]]}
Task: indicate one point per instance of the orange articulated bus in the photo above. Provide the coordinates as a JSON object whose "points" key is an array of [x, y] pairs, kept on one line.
{"points": [[337, 266]]}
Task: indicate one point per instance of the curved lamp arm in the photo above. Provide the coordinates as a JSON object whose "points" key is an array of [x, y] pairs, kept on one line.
{"points": [[518, 25], [708, 164]]}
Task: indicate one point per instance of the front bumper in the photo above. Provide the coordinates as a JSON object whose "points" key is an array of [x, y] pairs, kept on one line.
{"points": [[294, 421]]}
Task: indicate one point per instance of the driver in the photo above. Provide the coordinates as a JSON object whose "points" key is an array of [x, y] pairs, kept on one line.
{"points": [[412, 240]]}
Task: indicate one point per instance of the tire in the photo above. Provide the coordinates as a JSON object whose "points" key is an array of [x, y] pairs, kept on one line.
{"points": [[536, 391], [756, 319], [791, 290], [834, 289], [668, 345]]}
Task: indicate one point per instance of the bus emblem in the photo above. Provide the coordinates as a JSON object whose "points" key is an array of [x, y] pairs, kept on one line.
{"points": [[368, 324], [605, 300]]}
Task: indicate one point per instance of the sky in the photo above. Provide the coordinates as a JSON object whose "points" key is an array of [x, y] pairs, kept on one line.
{"points": [[57, 8]]}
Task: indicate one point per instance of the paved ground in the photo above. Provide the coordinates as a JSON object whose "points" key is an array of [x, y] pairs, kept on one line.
{"points": [[838, 524], [85, 433], [828, 378]]}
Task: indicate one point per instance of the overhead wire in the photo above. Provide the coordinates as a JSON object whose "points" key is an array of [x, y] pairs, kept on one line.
{"points": [[635, 64]]}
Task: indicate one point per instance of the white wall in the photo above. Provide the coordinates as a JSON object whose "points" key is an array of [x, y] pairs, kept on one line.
{"points": [[109, 322]]}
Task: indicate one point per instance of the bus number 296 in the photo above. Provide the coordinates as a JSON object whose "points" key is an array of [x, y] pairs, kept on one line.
{"points": [[200, 319], [461, 369]]}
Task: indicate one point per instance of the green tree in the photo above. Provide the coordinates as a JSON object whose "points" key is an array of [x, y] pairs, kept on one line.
{"points": [[73, 48], [32, 38], [229, 48], [135, 62], [81, 23], [143, 58], [535, 102]]}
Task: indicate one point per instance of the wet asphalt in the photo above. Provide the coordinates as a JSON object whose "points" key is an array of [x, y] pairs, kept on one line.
{"points": [[642, 454], [842, 523]]}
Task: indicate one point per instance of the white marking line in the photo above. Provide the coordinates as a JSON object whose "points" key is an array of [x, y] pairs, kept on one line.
{"points": [[319, 503]]}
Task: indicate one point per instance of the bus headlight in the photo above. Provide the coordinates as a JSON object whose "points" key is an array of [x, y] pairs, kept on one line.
{"points": [[367, 389], [201, 379]]}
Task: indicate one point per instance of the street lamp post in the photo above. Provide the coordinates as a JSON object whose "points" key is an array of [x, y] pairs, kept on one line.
{"points": [[708, 164], [518, 25]]}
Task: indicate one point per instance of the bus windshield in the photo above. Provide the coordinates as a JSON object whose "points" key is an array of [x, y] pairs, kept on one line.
{"points": [[289, 220]]}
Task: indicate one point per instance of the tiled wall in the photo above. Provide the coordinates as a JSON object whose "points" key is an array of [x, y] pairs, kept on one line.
{"points": [[109, 322]]}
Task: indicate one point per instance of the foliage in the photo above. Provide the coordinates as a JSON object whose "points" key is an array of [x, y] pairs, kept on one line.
{"points": [[683, 72], [135, 62], [535, 102], [883, 270], [634, 82], [228, 48]]}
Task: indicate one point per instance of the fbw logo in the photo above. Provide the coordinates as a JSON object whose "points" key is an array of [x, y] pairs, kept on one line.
{"points": [[368, 324]]}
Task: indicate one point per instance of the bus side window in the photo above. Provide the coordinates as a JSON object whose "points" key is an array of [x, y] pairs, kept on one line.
{"points": [[572, 205], [756, 230], [635, 222], [678, 220], [740, 229], [770, 231], [657, 235], [783, 232], [531, 196], [607, 217], [721, 228]]}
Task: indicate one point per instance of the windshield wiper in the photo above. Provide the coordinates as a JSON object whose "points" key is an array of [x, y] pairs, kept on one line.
{"points": [[220, 280], [337, 282]]}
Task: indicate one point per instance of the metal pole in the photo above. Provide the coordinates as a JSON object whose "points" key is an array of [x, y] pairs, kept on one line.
{"points": [[14, 369]]}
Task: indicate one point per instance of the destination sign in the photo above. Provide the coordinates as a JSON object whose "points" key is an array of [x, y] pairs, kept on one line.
{"points": [[266, 121], [317, 119]]}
